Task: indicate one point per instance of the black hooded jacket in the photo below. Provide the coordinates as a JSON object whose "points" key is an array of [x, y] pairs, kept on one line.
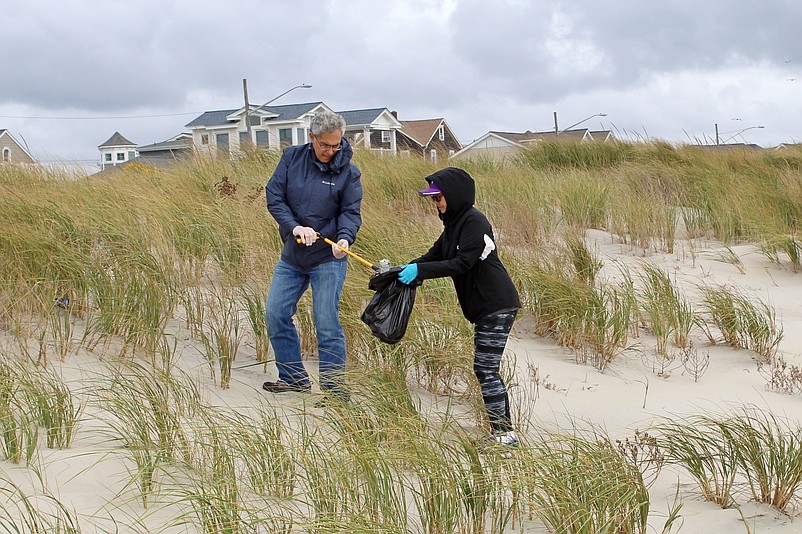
{"points": [[466, 251]]}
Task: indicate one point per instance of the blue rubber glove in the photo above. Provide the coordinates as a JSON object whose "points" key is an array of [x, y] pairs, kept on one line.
{"points": [[408, 273]]}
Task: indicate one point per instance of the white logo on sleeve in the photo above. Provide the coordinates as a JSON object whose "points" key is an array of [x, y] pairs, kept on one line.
{"points": [[489, 247]]}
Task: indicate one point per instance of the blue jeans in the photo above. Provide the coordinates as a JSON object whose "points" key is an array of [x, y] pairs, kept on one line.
{"points": [[286, 289]]}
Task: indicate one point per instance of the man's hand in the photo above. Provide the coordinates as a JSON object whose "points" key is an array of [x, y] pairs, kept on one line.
{"points": [[338, 248], [307, 235]]}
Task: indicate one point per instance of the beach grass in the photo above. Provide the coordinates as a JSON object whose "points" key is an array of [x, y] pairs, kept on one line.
{"points": [[118, 268]]}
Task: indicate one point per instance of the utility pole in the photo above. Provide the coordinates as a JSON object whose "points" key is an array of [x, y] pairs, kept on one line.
{"points": [[556, 130], [247, 108], [716, 134]]}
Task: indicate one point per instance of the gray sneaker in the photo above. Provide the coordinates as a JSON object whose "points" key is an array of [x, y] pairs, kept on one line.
{"points": [[279, 386]]}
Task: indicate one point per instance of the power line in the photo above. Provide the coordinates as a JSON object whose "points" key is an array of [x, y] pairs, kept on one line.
{"points": [[99, 118]]}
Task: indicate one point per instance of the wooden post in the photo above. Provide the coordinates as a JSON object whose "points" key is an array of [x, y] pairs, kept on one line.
{"points": [[247, 109]]}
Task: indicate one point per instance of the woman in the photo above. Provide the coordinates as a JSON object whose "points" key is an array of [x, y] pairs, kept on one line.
{"points": [[466, 252]]}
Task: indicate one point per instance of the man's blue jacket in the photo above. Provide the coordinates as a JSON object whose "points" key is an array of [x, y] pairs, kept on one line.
{"points": [[323, 196]]}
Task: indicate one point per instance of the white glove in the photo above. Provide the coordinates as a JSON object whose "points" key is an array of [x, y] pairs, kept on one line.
{"points": [[307, 235], [338, 248]]}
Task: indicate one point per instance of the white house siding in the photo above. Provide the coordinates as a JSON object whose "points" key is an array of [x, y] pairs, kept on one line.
{"points": [[490, 147]]}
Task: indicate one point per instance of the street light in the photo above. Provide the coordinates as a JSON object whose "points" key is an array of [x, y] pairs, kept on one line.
{"points": [[247, 104], [737, 133], [575, 124], [302, 86]]}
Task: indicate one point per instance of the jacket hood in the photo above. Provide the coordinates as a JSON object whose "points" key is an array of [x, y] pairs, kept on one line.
{"points": [[458, 189]]}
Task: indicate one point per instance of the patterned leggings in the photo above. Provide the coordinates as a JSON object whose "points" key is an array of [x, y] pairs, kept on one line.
{"points": [[490, 338]]}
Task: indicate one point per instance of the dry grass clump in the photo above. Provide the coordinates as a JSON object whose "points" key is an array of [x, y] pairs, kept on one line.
{"points": [[752, 445], [741, 322]]}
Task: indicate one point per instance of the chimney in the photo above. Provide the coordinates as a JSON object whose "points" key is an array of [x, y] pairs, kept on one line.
{"points": [[394, 114]]}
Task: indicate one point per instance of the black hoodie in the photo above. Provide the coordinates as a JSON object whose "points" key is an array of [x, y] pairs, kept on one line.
{"points": [[466, 251]]}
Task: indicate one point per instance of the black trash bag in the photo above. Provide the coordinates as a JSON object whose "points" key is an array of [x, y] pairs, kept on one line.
{"points": [[387, 313]]}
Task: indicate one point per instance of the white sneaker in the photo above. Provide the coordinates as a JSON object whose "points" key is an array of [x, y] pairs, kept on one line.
{"points": [[509, 439]]}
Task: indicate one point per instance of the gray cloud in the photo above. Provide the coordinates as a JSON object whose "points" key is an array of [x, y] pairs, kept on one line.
{"points": [[670, 69]]}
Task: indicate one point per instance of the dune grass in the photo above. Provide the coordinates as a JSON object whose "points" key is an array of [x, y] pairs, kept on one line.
{"points": [[120, 267]]}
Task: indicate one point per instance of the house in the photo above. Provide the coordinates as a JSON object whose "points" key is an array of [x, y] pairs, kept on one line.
{"points": [[429, 138], [275, 127], [12, 151], [788, 146], [501, 144], [116, 151], [374, 129]]}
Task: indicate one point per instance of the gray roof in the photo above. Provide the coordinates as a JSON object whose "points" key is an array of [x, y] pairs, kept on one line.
{"points": [[117, 140], [286, 112], [529, 136], [358, 117], [181, 143], [291, 111], [211, 118]]}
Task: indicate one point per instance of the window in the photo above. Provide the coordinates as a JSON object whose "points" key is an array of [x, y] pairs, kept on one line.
{"points": [[261, 138], [450, 153], [254, 120], [441, 133], [433, 155], [205, 139], [285, 137], [6, 154], [385, 136], [107, 157], [301, 132], [120, 156], [244, 140]]}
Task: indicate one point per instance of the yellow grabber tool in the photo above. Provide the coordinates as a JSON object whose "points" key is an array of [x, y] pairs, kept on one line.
{"points": [[384, 265]]}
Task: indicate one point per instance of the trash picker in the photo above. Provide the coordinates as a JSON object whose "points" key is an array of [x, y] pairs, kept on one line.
{"points": [[383, 266]]}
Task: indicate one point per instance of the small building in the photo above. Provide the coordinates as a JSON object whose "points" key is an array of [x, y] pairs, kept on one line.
{"points": [[428, 138], [496, 145], [11, 151], [169, 151], [116, 151]]}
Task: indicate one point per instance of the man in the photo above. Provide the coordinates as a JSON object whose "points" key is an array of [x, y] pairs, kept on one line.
{"points": [[314, 192]]}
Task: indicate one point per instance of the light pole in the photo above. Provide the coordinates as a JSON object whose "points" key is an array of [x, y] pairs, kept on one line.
{"points": [[248, 105], [736, 134], [576, 123], [301, 86]]}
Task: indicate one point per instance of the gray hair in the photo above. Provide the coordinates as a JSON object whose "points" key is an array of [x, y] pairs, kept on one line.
{"points": [[327, 121]]}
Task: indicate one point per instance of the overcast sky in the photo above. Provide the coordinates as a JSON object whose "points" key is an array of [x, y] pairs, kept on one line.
{"points": [[76, 71]]}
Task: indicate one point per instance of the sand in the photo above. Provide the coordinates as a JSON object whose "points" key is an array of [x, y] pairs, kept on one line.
{"points": [[635, 391]]}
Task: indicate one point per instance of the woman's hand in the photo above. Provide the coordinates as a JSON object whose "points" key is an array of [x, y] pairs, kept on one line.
{"points": [[408, 273]]}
